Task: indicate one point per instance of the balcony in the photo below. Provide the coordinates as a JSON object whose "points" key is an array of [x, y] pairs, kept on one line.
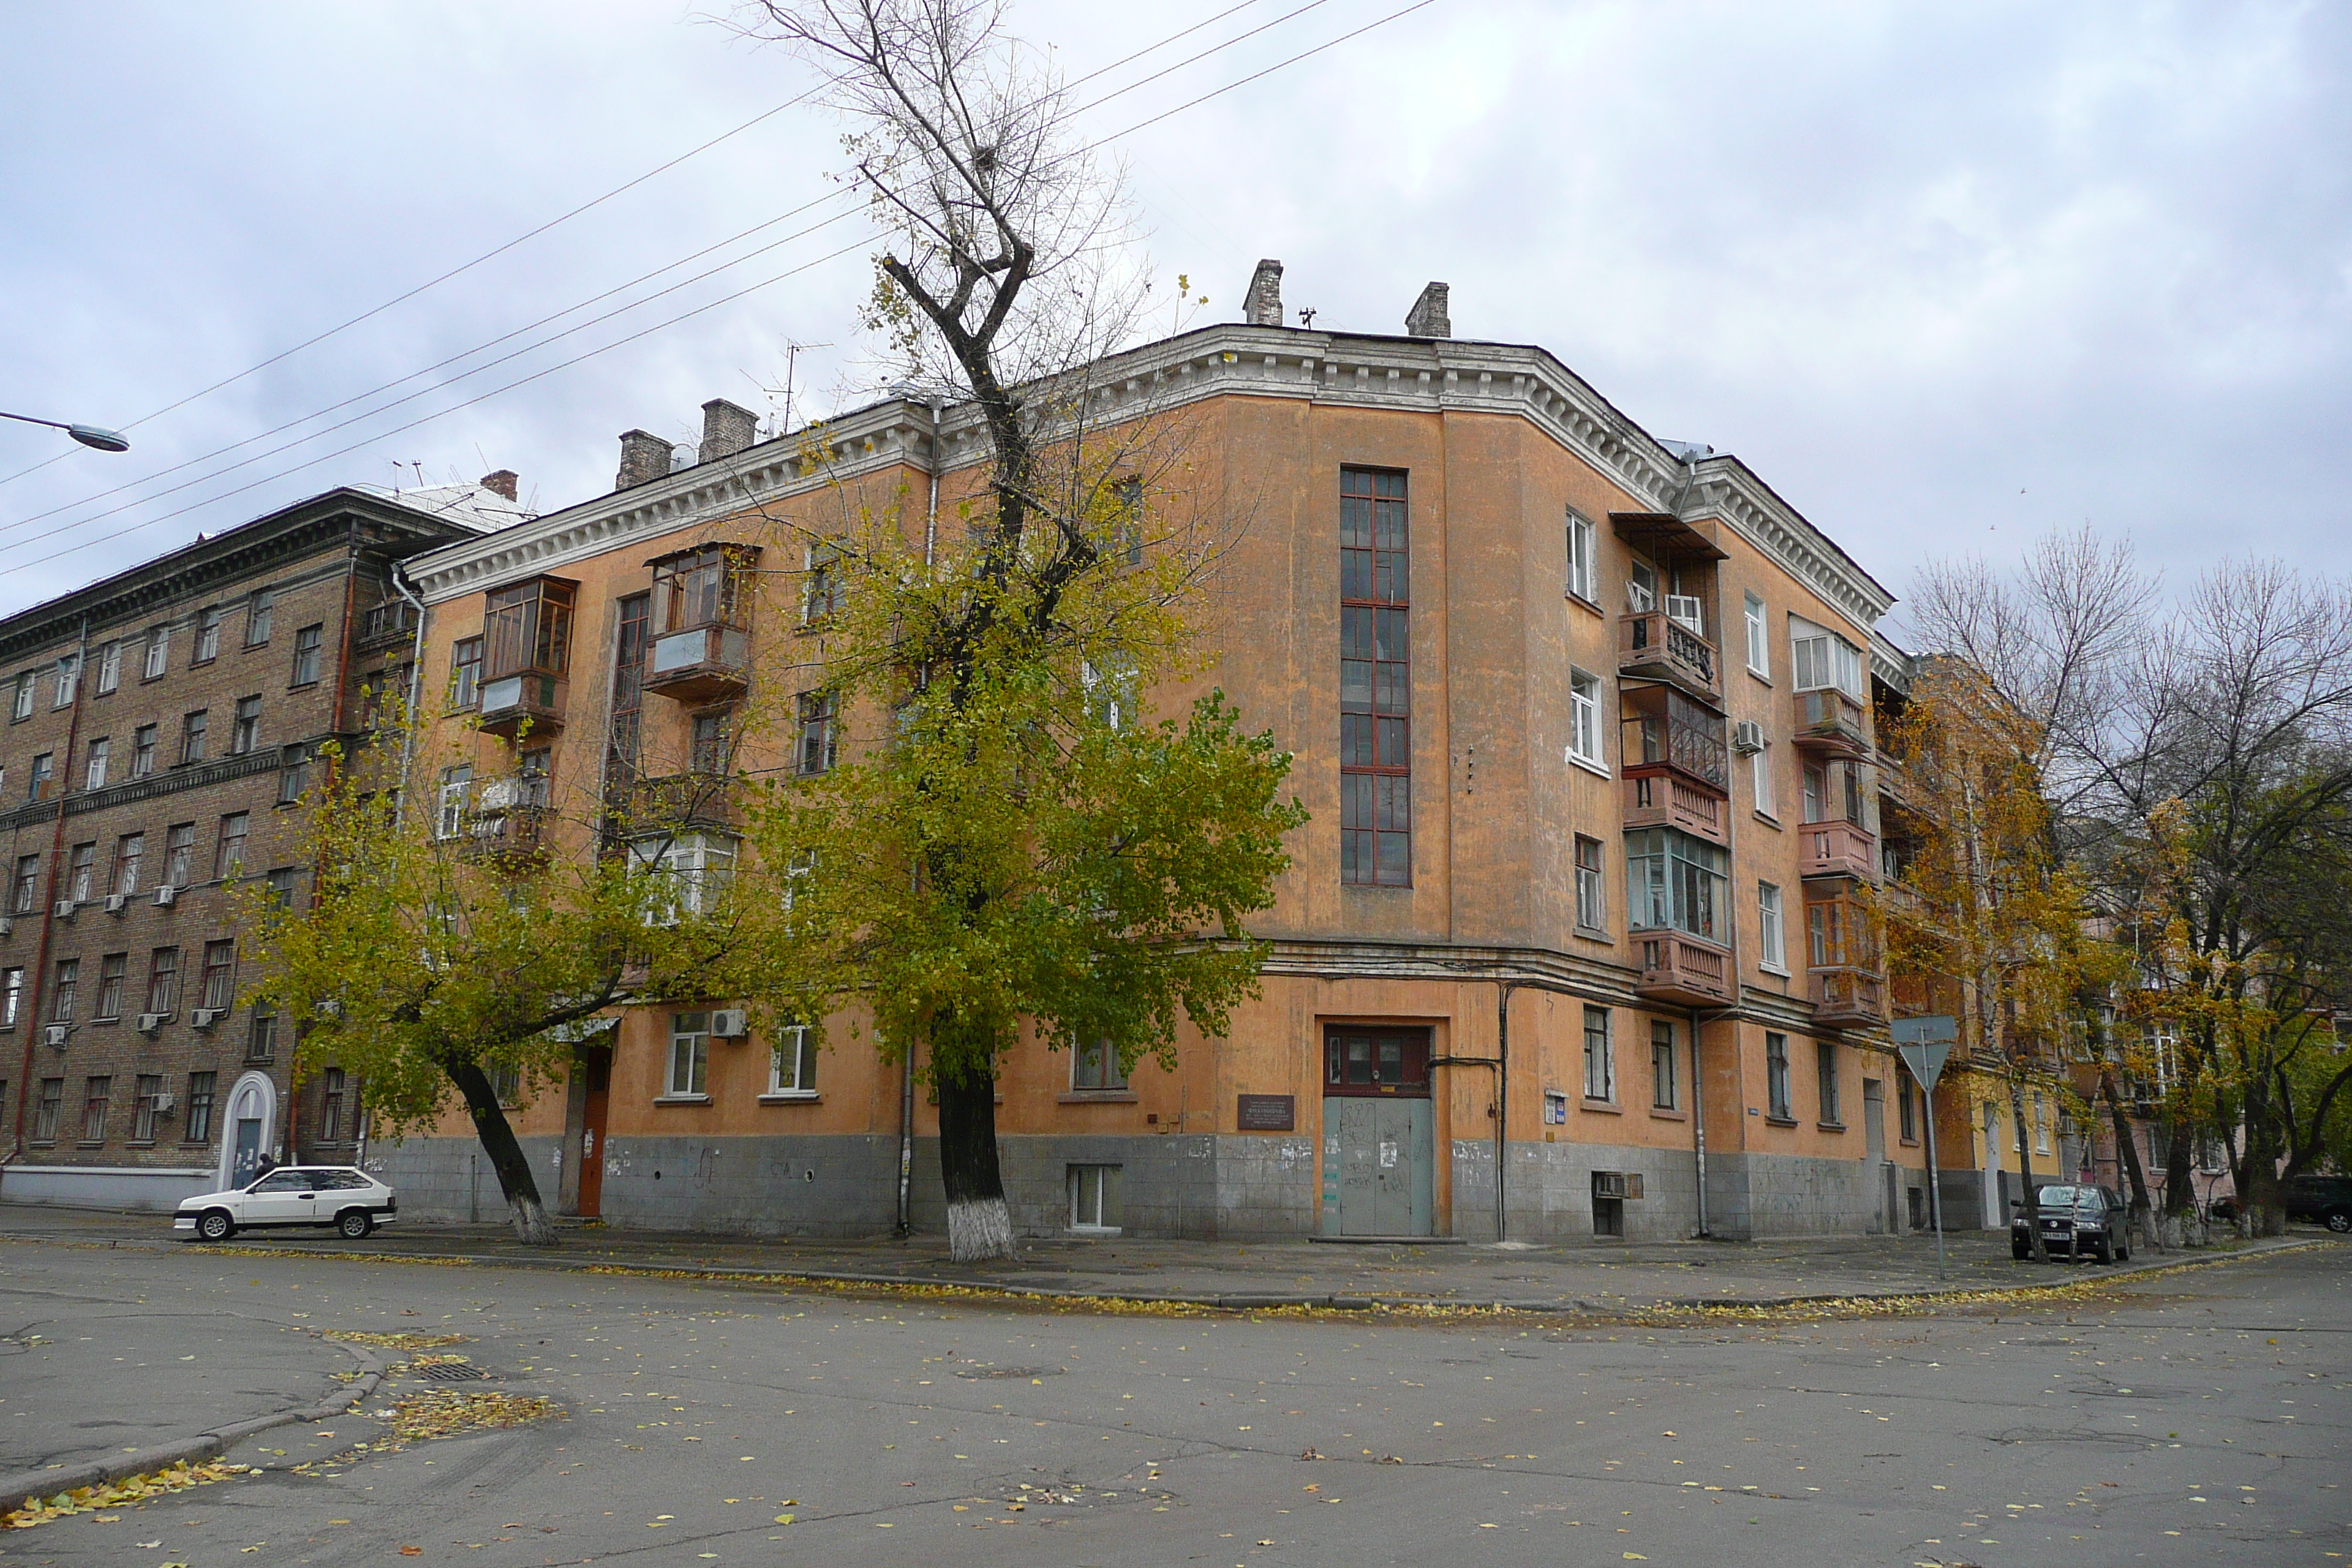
{"points": [[1658, 796], [1837, 848], [701, 663], [513, 837], [1682, 970], [1653, 647], [673, 802], [1848, 998], [532, 700], [1830, 723]]}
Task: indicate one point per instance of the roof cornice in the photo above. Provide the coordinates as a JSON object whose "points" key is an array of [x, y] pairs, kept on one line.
{"points": [[1419, 374]]}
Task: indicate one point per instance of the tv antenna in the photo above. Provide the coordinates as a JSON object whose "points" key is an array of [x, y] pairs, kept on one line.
{"points": [[792, 352]]}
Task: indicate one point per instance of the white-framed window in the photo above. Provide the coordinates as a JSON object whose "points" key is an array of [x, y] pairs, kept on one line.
{"points": [[1584, 744], [69, 680], [1759, 640], [1600, 1056], [2041, 1125], [699, 867], [1094, 1198], [1110, 693], [1821, 659], [159, 654], [1583, 559], [22, 707], [1641, 586], [689, 1056], [1760, 773], [110, 668], [792, 1065], [1095, 1064], [819, 585], [1591, 885], [1770, 931], [455, 796]]}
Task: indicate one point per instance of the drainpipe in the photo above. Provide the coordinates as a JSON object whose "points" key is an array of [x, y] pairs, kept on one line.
{"points": [[1502, 1097], [31, 1019], [1698, 1120], [415, 687]]}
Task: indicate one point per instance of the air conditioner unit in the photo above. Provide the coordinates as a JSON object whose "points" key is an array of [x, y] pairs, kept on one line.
{"points": [[206, 1018], [151, 1022], [164, 1104], [55, 1034], [65, 909], [165, 895], [1686, 609], [117, 902], [729, 1023], [1748, 737]]}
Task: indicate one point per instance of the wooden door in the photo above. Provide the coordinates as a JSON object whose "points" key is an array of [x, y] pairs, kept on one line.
{"points": [[597, 1062]]}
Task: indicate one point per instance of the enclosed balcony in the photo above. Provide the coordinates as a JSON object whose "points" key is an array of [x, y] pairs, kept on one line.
{"points": [[702, 649], [1654, 646], [1843, 971], [1837, 848], [1830, 723], [527, 656], [1682, 970]]}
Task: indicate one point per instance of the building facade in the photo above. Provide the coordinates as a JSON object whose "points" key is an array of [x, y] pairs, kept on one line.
{"points": [[161, 725], [1578, 931]]}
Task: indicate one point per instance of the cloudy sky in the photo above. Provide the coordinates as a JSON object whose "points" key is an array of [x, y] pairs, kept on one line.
{"points": [[1947, 275]]}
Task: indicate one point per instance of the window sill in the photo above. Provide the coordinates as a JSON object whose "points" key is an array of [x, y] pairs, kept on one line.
{"points": [[681, 1100], [1599, 770], [1829, 1126], [43, 1142], [1595, 933], [1094, 1232], [791, 1097], [1767, 820], [1761, 677], [1604, 1107], [139, 1144], [301, 685], [89, 1143], [1097, 1097], [1779, 1121], [116, 1019], [1773, 969], [1573, 597], [1908, 1142], [1667, 1114]]}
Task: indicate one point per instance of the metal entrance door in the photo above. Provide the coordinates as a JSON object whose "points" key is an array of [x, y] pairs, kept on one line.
{"points": [[1873, 1129], [596, 1062], [1379, 1147]]}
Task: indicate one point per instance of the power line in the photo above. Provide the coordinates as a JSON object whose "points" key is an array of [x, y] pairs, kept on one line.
{"points": [[658, 326]]}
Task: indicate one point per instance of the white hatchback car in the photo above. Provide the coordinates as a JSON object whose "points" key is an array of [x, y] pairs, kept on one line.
{"points": [[343, 1196]]}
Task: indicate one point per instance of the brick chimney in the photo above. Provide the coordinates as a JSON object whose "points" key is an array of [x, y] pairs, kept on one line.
{"points": [[501, 483], [1262, 307], [727, 429], [1427, 318], [644, 456]]}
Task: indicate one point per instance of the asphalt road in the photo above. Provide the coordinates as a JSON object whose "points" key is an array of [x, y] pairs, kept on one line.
{"points": [[2197, 1416]]}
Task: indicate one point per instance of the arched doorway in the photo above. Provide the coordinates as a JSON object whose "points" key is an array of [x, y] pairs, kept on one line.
{"points": [[247, 1131]]}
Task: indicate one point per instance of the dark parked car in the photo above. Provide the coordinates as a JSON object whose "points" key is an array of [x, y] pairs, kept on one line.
{"points": [[2323, 1200], [2077, 1220]]}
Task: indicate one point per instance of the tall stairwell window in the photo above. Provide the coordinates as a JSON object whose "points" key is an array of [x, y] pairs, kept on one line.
{"points": [[1375, 681]]}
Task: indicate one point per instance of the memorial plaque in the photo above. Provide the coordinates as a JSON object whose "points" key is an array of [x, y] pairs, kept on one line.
{"points": [[1269, 1113]]}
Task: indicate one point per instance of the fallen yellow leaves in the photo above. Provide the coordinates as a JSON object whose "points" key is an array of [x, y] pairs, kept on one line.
{"points": [[446, 1413], [137, 1488], [394, 1342]]}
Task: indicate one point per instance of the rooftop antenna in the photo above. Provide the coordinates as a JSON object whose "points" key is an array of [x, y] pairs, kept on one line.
{"points": [[1307, 315], [792, 352]]}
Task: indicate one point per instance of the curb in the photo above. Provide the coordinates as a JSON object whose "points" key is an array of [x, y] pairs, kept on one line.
{"points": [[19, 1489]]}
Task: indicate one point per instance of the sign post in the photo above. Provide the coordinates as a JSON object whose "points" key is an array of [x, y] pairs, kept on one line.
{"points": [[1924, 1045]]}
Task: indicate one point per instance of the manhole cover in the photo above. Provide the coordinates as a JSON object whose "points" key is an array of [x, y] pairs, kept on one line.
{"points": [[453, 1371], [1010, 1371]]}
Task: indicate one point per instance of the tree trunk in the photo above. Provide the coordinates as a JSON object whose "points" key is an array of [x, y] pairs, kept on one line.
{"points": [[980, 1226], [2183, 1227], [532, 1228], [2142, 1212], [2025, 1172]]}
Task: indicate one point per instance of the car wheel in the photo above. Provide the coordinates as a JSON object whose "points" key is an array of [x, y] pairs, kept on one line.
{"points": [[356, 1224], [2019, 1253], [2103, 1250], [215, 1226], [2123, 1252], [2340, 1220]]}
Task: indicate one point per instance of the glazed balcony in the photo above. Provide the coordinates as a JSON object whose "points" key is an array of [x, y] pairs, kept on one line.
{"points": [[1830, 723], [701, 663], [1659, 797], [1837, 848], [1848, 998], [1655, 647], [1684, 970], [532, 701]]}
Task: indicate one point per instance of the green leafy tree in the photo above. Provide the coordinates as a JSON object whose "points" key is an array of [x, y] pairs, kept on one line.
{"points": [[457, 932]]}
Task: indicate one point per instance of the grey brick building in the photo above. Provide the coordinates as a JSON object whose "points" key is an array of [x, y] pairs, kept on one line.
{"points": [[152, 727]]}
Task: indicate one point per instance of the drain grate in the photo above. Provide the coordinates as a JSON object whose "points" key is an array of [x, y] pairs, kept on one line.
{"points": [[453, 1371]]}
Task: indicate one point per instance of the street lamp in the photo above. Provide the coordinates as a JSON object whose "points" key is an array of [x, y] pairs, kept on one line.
{"points": [[105, 440]]}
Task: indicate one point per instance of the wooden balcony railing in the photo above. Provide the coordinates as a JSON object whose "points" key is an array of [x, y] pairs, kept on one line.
{"points": [[1652, 645], [510, 836], [1848, 998], [1837, 848], [1682, 970]]}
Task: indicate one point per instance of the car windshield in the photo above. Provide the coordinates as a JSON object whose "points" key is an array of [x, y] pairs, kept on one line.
{"points": [[2069, 1197]]}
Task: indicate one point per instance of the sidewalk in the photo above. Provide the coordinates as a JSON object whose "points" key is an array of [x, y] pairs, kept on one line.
{"points": [[1593, 1277]]}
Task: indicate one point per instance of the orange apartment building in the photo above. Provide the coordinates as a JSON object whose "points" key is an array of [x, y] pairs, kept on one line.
{"points": [[1584, 720]]}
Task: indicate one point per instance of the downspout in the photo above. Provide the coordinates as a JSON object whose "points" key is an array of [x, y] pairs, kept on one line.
{"points": [[1502, 1096], [907, 1068], [415, 688], [49, 899], [1698, 1120]]}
